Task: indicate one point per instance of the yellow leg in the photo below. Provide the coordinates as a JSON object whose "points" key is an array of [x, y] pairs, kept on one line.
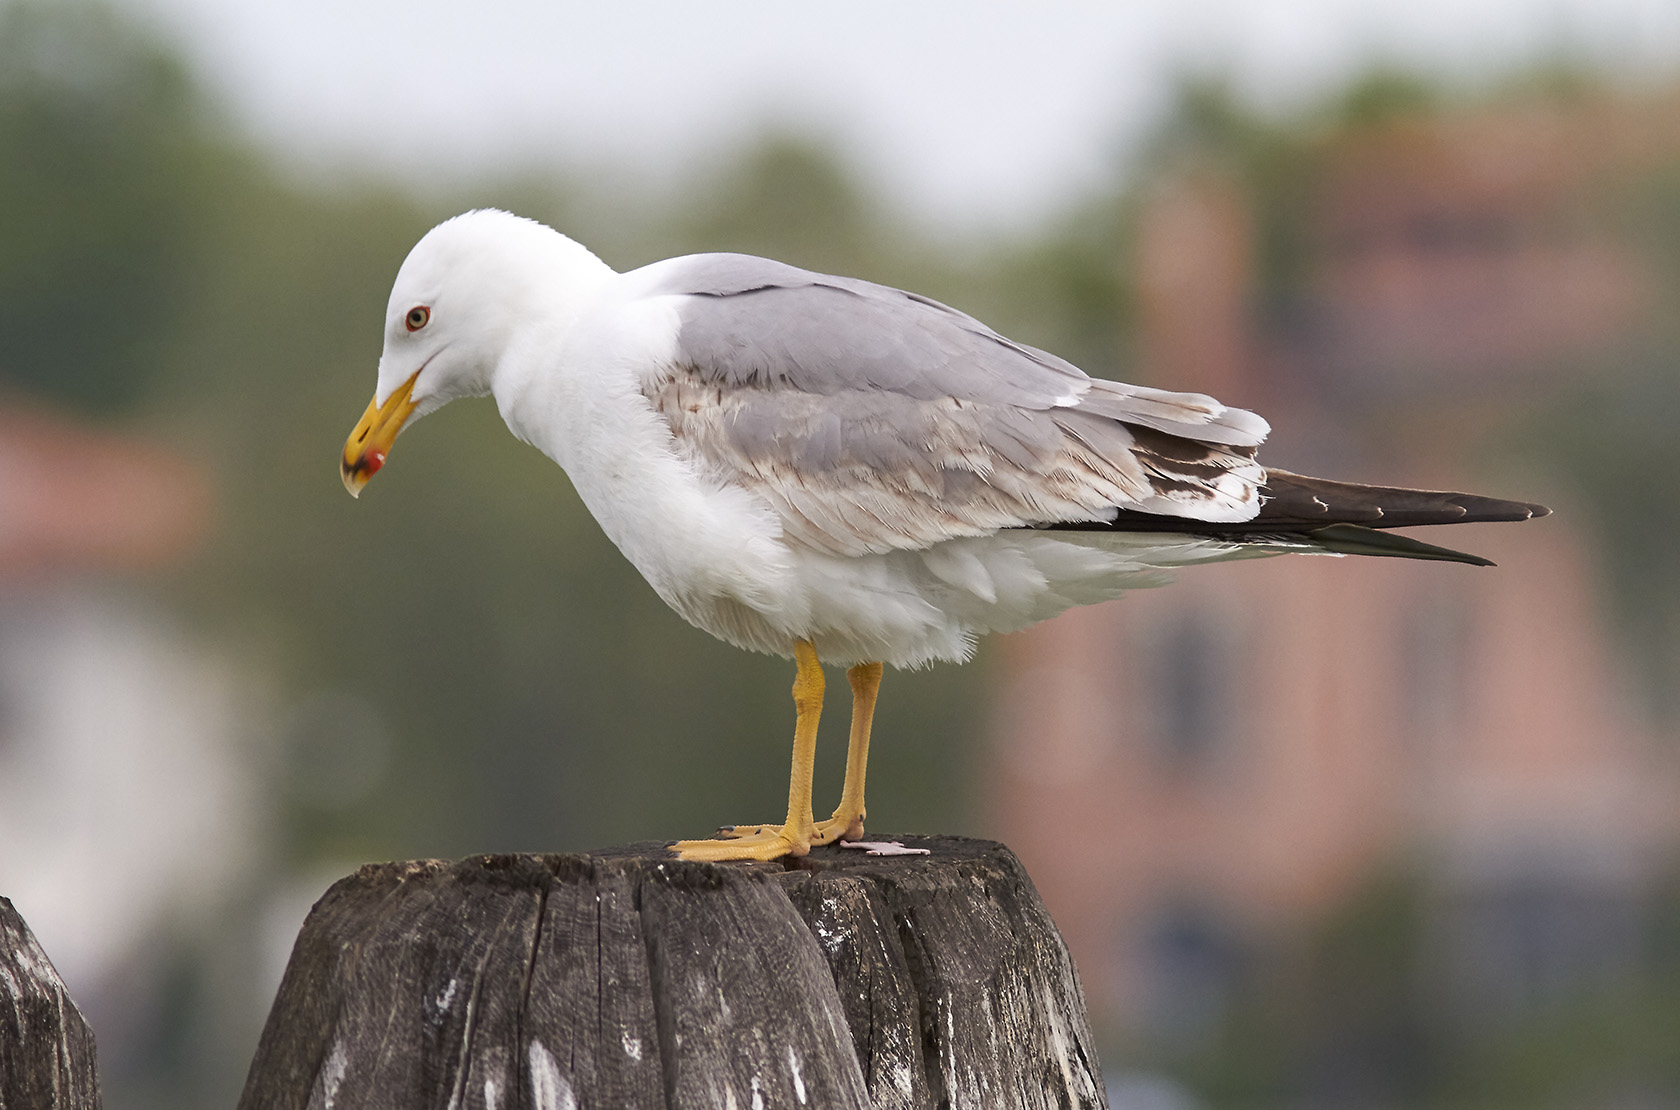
{"points": [[795, 835], [847, 821]]}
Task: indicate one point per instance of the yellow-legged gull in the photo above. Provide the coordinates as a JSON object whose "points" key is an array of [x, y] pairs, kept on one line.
{"points": [[822, 467]]}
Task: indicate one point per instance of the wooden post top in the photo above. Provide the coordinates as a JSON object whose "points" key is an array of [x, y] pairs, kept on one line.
{"points": [[627, 978], [46, 1050]]}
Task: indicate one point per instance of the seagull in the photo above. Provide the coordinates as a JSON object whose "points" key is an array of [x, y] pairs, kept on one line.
{"points": [[828, 469]]}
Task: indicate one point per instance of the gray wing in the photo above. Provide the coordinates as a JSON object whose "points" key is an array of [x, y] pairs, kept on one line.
{"points": [[874, 419]]}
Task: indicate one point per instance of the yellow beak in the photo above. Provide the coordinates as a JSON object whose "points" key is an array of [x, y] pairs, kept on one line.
{"points": [[370, 442]]}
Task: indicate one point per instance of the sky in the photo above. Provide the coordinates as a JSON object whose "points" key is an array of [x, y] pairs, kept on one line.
{"points": [[970, 113]]}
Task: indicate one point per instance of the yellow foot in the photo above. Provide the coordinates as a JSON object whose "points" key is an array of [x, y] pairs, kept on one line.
{"points": [[823, 832], [746, 842], [846, 828], [837, 828]]}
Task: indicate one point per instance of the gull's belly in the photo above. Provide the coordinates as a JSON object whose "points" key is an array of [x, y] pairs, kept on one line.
{"points": [[911, 608]]}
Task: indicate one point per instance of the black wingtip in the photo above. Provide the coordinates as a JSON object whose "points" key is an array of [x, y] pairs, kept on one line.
{"points": [[1493, 509], [1354, 539]]}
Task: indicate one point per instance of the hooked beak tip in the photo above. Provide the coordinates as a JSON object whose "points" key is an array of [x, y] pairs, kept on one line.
{"points": [[358, 470], [371, 439]]}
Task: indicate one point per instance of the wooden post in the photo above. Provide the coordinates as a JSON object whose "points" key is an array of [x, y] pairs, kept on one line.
{"points": [[627, 979], [46, 1049]]}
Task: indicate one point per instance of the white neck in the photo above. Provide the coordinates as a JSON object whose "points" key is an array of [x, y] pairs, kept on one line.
{"points": [[552, 284]]}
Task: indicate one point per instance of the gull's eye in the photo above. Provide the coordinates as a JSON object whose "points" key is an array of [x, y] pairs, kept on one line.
{"points": [[417, 317]]}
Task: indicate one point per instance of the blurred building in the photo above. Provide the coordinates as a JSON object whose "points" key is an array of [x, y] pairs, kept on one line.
{"points": [[128, 796], [1197, 773], [75, 499]]}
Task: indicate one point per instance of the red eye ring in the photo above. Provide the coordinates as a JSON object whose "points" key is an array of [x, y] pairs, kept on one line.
{"points": [[417, 317]]}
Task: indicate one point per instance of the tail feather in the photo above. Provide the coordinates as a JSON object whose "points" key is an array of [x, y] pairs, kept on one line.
{"points": [[1340, 517]]}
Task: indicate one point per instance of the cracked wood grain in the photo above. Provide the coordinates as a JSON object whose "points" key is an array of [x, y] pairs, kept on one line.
{"points": [[46, 1049], [624, 978]]}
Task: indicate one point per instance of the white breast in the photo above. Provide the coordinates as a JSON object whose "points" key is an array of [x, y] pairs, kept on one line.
{"points": [[707, 550]]}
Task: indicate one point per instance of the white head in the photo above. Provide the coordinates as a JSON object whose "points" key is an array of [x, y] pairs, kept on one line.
{"points": [[462, 295]]}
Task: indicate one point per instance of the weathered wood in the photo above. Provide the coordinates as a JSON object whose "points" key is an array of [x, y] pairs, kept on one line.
{"points": [[625, 978], [46, 1049]]}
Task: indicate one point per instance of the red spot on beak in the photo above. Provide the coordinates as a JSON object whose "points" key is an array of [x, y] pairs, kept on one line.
{"points": [[373, 461]]}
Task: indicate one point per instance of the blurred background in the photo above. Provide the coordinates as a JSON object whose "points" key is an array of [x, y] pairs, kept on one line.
{"points": [[1320, 833]]}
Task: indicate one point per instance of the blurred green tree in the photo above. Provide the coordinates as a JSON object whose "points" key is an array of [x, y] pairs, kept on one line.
{"points": [[96, 129]]}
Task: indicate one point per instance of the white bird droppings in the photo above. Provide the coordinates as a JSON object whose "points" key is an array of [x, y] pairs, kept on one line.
{"points": [[549, 1088], [798, 1080], [632, 1046], [332, 1074]]}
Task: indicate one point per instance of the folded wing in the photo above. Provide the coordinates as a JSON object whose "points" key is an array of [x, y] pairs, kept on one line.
{"points": [[873, 419]]}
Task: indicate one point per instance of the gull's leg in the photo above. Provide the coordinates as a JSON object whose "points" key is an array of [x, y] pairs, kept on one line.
{"points": [[795, 835], [847, 821]]}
